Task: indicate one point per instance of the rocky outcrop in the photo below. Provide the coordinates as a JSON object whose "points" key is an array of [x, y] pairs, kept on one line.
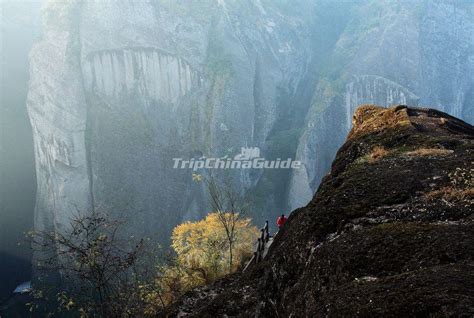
{"points": [[375, 90], [389, 232], [313, 149], [135, 84], [405, 53]]}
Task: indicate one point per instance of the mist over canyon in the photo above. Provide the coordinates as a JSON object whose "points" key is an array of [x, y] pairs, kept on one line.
{"points": [[117, 89]]}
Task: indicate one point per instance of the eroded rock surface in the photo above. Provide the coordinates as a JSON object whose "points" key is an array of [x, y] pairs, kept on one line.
{"points": [[390, 231], [120, 88]]}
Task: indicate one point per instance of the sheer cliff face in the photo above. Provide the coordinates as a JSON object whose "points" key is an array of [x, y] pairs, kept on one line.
{"points": [[119, 88]]}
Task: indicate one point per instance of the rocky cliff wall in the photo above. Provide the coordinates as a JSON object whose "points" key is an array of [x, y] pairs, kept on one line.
{"points": [[388, 233], [389, 53], [119, 88]]}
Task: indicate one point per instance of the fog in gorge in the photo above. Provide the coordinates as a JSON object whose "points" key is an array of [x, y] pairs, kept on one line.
{"points": [[20, 27], [113, 90]]}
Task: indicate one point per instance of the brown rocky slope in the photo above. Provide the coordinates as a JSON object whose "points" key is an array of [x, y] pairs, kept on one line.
{"points": [[390, 232]]}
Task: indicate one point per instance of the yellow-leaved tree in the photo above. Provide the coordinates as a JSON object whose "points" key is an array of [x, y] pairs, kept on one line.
{"points": [[202, 256], [205, 250], [202, 247]]}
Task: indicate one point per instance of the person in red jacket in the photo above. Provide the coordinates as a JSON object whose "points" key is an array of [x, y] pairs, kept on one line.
{"points": [[281, 221]]}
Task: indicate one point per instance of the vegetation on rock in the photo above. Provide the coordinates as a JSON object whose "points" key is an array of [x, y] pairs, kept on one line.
{"points": [[389, 232]]}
